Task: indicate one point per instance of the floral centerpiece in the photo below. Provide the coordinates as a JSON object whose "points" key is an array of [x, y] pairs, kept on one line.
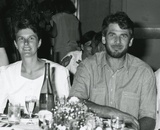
{"points": [[74, 115]]}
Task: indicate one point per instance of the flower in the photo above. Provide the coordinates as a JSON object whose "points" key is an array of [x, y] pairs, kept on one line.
{"points": [[74, 115]]}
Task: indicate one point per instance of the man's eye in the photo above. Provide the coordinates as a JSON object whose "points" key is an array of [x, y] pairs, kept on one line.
{"points": [[124, 36], [111, 35]]}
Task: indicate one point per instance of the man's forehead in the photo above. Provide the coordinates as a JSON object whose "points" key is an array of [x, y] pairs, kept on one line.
{"points": [[114, 27]]}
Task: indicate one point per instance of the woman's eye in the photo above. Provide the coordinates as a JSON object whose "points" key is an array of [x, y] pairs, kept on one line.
{"points": [[20, 39], [32, 38]]}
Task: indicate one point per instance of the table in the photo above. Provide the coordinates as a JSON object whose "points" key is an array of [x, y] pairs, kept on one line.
{"points": [[22, 126]]}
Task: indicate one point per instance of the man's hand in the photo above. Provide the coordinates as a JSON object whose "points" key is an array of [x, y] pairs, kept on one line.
{"points": [[66, 60], [128, 119], [108, 112]]}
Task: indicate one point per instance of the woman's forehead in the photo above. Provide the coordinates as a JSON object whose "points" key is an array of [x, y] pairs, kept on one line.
{"points": [[25, 32]]}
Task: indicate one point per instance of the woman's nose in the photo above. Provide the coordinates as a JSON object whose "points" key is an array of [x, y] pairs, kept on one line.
{"points": [[26, 41]]}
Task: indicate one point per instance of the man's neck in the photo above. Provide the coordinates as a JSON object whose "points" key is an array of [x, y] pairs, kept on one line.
{"points": [[115, 63]]}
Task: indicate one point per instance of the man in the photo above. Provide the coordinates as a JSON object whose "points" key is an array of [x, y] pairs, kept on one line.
{"points": [[115, 82]]}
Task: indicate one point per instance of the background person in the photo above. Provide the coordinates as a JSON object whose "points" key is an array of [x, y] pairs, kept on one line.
{"points": [[115, 82], [67, 26], [3, 54], [3, 57], [73, 58], [97, 45], [25, 77]]}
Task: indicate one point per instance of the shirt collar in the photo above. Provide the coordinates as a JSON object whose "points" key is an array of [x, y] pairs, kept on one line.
{"points": [[103, 61]]}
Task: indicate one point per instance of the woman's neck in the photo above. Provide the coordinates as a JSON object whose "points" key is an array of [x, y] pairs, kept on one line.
{"points": [[32, 69]]}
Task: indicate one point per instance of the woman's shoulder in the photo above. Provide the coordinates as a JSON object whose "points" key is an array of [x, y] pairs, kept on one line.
{"points": [[56, 65], [11, 66]]}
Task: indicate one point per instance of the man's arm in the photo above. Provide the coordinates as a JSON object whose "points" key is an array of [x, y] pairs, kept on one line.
{"points": [[107, 112], [3, 57], [147, 123]]}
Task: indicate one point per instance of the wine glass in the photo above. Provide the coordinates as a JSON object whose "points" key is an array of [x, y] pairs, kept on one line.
{"points": [[117, 123], [30, 102]]}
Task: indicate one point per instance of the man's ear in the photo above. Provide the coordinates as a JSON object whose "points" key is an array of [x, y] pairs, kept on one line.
{"points": [[103, 40], [15, 44], [39, 43], [131, 42]]}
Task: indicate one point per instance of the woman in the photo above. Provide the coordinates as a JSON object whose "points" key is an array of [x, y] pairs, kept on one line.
{"points": [[25, 77]]}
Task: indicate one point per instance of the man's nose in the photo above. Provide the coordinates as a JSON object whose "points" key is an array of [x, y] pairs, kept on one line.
{"points": [[118, 40]]}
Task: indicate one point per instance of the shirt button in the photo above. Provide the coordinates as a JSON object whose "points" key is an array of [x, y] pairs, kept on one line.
{"points": [[111, 90], [111, 102]]}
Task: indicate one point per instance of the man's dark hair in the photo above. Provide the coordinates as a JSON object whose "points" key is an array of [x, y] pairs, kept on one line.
{"points": [[26, 23], [121, 19]]}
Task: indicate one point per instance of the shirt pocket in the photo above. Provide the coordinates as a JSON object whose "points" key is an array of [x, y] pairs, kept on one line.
{"points": [[98, 95], [130, 103]]}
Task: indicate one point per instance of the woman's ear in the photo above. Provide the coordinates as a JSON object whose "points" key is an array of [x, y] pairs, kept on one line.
{"points": [[15, 44], [103, 40], [39, 43]]}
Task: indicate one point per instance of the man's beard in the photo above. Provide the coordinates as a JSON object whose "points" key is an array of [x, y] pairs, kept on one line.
{"points": [[116, 53]]}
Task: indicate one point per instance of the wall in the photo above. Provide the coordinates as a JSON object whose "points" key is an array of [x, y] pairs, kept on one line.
{"points": [[145, 14], [92, 13]]}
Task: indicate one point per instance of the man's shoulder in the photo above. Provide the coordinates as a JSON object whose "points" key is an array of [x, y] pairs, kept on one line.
{"points": [[97, 57], [95, 60], [138, 63]]}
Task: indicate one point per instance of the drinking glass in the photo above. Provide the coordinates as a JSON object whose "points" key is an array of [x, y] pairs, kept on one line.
{"points": [[117, 123], [30, 102], [14, 113]]}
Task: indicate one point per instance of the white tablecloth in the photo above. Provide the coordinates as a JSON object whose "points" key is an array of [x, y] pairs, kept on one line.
{"points": [[22, 126]]}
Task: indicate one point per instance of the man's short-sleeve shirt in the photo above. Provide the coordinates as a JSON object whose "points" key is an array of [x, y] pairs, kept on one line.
{"points": [[130, 89]]}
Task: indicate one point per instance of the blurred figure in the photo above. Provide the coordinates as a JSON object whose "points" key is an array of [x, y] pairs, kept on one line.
{"points": [[48, 31], [67, 26], [73, 58], [97, 45], [3, 55]]}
